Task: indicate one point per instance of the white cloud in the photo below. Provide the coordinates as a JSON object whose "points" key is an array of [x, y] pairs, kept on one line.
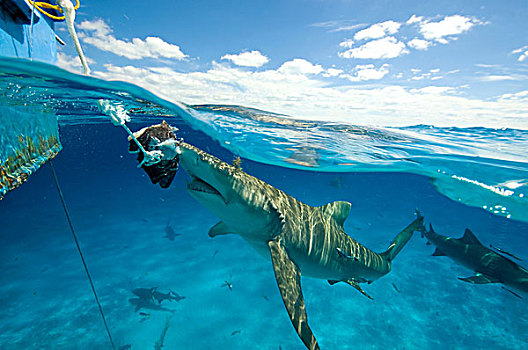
{"points": [[347, 28], [482, 65], [367, 72], [312, 97], [382, 43], [434, 90], [446, 29], [388, 47], [378, 30], [488, 78], [419, 44], [339, 26], [73, 64], [432, 74], [414, 19], [247, 59], [347, 44], [332, 72], [523, 51], [99, 34], [98, 26], [299, 66]]}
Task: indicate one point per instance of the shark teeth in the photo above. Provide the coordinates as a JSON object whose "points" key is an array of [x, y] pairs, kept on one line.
{"points": [[199, 185]]}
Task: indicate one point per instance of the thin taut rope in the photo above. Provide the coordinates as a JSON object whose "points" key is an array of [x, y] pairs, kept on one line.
{"points": [[80, 252]]}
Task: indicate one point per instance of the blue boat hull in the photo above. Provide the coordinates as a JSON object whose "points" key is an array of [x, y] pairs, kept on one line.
{"points": [[17, 39]]}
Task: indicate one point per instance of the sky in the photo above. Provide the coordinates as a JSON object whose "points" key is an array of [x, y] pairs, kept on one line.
{"points": [[384, 63]]}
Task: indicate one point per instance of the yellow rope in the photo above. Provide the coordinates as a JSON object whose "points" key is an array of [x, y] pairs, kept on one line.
{"points": [[40, 5]]}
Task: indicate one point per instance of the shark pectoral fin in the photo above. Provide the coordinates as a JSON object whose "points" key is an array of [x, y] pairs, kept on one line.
{"points": [[512, 292], [219, 229], [438, 252], [505, 252], [288, 278], [479, 279], [337, 210], [356, 285]]}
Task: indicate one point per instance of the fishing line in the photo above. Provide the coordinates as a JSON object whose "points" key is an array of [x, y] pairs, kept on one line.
{"points": [[80, 252], [31, 33]]}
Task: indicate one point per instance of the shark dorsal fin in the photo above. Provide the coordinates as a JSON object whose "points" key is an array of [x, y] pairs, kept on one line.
{"points": [[338, 210], [469, 238], [431, 229]]}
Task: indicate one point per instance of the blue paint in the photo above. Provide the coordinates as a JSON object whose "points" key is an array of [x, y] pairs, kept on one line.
{"points": [[15, 33]]}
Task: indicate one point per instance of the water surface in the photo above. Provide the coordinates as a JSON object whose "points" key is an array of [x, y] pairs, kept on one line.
{"points": [[459, 178]]}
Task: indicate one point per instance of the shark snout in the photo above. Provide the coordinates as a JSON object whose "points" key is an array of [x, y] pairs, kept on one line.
{"points": [[208, 182], [194, 165], [189, 159]]}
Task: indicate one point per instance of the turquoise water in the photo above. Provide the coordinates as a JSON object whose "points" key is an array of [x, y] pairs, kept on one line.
{"points": [[458, 178]]}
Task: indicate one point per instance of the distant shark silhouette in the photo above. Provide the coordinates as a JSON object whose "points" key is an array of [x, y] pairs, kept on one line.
{"points": [[489, 265], [170, 296], [144, 293], [297, 237], [152, 294], [140, 304], [305, 155], [170, 233]]}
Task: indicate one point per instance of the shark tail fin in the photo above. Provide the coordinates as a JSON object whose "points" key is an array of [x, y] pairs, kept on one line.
{"points": [[421, 228], [404, 236]]}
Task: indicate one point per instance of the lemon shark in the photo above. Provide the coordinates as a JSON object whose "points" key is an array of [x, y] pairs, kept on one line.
{"points": [[489, 266], [298, 238]]}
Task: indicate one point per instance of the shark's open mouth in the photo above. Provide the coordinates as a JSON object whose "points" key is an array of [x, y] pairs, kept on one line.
{"points": [[200, 185]]}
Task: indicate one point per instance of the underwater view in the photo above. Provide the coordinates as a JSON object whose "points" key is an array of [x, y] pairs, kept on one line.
{"points": [[144, 208], [139, 239]]}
